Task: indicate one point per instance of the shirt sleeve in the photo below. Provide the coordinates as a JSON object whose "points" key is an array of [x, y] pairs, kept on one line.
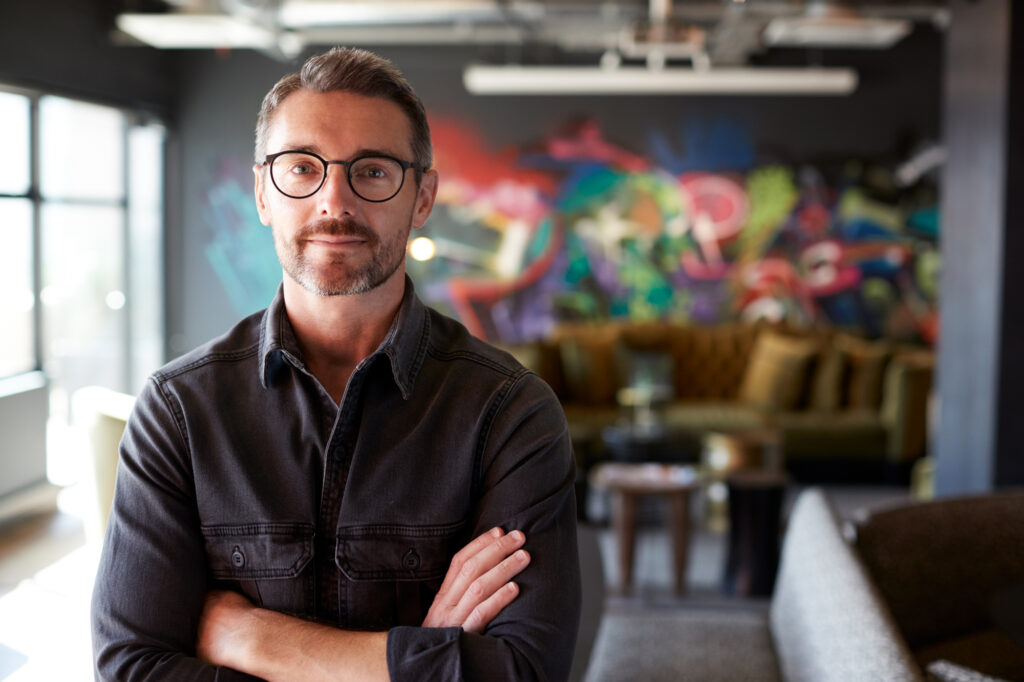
{"points": [[526, 482], [151, 581]]}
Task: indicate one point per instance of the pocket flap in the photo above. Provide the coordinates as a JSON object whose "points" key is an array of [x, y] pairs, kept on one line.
{"points": [[258, 551], [397, 552]]}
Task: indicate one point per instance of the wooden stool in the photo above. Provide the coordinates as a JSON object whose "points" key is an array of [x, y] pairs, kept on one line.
{"points": [[755, 509], [627, 484]]}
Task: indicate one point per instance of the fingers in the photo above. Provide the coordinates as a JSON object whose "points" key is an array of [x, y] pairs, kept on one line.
{"points": [[491, 592], [470, 550], [485, 612], [477, 585]]}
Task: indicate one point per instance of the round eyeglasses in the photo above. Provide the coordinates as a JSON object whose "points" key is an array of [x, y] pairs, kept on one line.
{"points": [[374, 178]]}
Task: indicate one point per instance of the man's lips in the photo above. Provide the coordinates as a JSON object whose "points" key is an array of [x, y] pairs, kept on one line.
{"points": [[336, 240]]}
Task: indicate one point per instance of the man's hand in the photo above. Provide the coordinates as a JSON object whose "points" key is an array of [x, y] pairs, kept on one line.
{"points": [[479, 584]]}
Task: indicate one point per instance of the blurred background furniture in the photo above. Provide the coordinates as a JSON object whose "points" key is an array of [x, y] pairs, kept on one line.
{"points": [[947, 570], [835, 401], [755, 524], [628, 484], [904, 592], [101, 414]]}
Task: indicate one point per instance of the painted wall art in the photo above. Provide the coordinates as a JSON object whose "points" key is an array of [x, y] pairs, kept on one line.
{"points": [[693, 229]]}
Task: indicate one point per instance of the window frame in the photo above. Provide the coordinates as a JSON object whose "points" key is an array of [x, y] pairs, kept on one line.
{"points": [[132, 118]]}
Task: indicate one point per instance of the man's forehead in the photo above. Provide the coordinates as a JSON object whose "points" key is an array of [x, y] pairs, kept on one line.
{"points": [[316, 116]]}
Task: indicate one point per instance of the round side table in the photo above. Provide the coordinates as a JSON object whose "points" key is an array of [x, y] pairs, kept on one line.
{"points": [[627, 484]]}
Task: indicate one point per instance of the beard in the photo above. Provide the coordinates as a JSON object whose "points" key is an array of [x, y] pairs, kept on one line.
{"points": [[342, 274]]}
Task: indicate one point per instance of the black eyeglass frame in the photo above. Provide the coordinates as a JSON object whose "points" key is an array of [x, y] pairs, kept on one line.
{"points": [[269, 159]]}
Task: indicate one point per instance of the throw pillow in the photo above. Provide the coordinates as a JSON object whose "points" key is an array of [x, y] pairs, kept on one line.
{"points": [[866, 362], [777, 370], [827, 381], [588, 361]]}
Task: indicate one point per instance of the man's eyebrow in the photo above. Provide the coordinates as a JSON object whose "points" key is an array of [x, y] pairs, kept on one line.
{"points": [[302, 148], [377, 152], [364, 151]]}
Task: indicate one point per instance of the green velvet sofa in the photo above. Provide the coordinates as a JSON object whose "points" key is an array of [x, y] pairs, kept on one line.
{"points": [[831, 397]]}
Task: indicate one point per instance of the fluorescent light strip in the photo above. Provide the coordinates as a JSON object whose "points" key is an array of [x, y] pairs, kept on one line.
{"points": [[552, 80], [310, 13], [195, 31]]}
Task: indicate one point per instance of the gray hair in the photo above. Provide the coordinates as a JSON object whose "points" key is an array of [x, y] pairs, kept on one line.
{"points": [[343, 69]]}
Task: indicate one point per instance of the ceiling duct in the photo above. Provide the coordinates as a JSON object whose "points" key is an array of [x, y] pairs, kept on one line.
{"points": [[829, 24]]}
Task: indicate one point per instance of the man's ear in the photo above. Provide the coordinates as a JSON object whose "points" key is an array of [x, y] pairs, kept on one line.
{"points": [[259, 190], [425, 196]]}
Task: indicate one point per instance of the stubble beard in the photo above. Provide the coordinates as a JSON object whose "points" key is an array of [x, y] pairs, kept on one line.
{"points": [[341, 276]]}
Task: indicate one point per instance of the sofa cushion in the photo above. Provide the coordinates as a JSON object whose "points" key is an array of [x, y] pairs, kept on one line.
{"points": [[846, 433], [712, 416], [828, 621], [865, 370], [827, 382], [710, 360], [776, 373], [940, 563]]}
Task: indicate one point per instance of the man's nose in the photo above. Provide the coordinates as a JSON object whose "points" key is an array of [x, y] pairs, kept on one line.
{"points": [[335, 196]]}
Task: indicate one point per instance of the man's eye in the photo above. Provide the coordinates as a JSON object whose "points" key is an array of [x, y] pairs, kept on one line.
{"points": [[301, 169], [373, 172]]}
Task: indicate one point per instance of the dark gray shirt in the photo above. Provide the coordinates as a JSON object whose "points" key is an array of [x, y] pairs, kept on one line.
{"points": [[238, 470]]}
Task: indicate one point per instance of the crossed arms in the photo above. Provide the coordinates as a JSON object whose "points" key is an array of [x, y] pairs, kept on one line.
{"points": [[238, 635]]}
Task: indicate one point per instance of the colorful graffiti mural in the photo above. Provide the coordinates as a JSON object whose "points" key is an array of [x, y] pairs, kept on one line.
{"points": [[577, 228]]}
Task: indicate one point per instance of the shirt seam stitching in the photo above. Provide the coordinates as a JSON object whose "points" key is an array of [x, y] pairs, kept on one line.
{"points": [[216, 356], [179, 422], [497, 404]]}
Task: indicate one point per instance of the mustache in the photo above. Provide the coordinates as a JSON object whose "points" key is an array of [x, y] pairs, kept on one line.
{"points": [[338, 227]]}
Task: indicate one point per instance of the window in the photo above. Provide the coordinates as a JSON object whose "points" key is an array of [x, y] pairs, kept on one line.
{"points": [[17, 343], [81, 207]]}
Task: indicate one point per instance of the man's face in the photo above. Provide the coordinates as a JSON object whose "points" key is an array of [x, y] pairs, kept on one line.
{"points": [[335, 243]]}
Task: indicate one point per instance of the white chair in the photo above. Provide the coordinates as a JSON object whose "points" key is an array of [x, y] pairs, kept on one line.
{"points": [[101, 414]]}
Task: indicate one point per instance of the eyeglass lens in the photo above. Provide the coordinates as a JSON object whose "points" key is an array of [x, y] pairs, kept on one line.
{"points": [[374, 178]]}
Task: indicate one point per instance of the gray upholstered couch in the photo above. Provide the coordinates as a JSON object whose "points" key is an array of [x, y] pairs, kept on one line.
{"points": [[913, 588]]}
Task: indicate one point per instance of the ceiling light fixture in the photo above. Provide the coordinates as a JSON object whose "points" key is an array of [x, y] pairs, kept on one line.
{"points": [[576, 80], [188, 31]]}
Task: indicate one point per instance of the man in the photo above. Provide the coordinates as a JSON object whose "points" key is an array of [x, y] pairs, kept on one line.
{"points": [[345, 485]]}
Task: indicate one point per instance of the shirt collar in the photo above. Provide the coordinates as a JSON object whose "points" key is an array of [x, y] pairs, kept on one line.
{"points": [[405, 344]]}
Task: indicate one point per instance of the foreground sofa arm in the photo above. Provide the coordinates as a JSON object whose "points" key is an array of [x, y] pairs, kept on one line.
{"points": [[828, 621]]}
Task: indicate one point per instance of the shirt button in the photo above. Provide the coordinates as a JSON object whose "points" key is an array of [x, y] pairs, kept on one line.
{"points": [[237, 558], [411, 560]]}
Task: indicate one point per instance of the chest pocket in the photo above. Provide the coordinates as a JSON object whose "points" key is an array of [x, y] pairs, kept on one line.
{"points": [[393, 572], [265, 560]]}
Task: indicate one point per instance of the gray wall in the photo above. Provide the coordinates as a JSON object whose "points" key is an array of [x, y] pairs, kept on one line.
{"points": [[897, 103]]}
